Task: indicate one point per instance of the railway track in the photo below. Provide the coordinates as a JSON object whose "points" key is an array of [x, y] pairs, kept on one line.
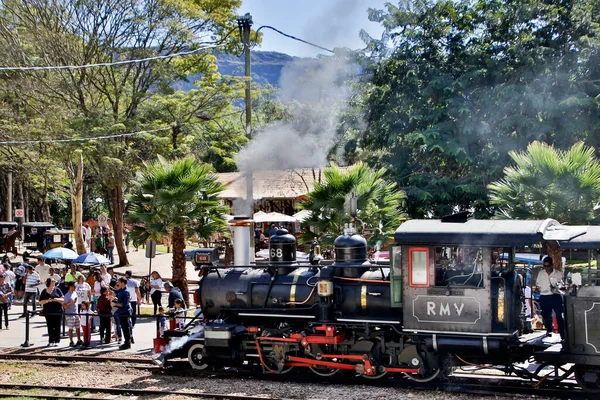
{"points": [[478, 384], [68, 360], [125, 392]]}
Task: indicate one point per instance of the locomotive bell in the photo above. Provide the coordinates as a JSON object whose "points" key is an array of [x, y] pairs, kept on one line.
{"points": [[282, 250], [350, 249]]}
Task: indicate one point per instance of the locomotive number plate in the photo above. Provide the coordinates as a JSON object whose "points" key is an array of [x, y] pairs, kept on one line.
{"points": [[202, 258], [445, 309]]}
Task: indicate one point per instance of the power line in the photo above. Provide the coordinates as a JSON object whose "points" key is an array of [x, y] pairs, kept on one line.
{"points": [[293, 37], [83, 139], [111, 64], [92, 138]]}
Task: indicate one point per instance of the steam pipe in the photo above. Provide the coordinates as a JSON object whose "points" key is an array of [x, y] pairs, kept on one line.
{"points": [[241, 227]]}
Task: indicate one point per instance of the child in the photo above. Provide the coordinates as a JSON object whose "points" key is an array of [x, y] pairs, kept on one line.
{"points": [[104, 310], [162, 321], [5, 292], [179, 314], [86, 316]]}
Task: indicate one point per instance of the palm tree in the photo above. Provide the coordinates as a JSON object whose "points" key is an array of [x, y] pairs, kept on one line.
{"points": [[179, 199], [380, 204], [545, 182]]}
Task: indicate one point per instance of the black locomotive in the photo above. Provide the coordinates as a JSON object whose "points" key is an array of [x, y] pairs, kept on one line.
{"points": [[450, 296]]}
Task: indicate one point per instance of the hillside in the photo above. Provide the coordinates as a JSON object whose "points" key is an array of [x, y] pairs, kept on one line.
{"points": [[266, 67]]}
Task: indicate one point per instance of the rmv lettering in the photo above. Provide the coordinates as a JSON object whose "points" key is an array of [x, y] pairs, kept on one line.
{"points": [[443, 308]]}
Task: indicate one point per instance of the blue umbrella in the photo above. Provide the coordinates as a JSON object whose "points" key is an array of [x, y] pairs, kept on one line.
{"points": [[60, 253], [91, 258]]}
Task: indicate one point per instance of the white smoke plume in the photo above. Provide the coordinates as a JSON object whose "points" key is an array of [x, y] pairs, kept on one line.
{"points": [[315, 91]]}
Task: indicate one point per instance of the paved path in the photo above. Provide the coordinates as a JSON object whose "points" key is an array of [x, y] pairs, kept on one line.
{"points": [[144, 332], [162, 263]]}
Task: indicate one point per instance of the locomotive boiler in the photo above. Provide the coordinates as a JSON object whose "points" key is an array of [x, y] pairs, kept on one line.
{"points": [[451, 296]]}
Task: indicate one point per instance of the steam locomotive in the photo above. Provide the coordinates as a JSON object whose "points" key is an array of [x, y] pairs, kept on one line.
{"points": [[450, 296]]}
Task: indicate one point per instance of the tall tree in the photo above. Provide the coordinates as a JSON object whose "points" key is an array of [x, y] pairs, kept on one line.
{"points": [[465, 82], [106, 100], [380, 204], [177, 199], [545, 182]]}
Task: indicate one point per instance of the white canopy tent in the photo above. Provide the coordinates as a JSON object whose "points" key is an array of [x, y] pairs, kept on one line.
{"points": [[261, 217]]}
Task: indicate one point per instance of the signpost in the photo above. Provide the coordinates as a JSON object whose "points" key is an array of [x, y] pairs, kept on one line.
{"points": [[150, 254], [102, 220], [20, 213]]}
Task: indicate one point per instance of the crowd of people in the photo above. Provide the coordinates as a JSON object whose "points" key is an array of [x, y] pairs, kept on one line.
{"points": [[101, 301], [104, 240], [261, 237]]}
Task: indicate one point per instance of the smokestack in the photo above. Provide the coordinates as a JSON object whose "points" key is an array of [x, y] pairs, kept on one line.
{"points": [[242, 228]]}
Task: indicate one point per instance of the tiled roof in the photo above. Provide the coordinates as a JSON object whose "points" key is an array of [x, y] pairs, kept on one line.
{"points": [[285, 184]]}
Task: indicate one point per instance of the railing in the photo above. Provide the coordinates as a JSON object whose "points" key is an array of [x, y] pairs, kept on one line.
{"points": [[169, 316]]}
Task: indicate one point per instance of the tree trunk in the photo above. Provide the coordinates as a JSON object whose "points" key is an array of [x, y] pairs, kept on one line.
{"points": [[26, 207], [556, 253], [44, 206], [179, 263], [116, 206], [77, 203]]}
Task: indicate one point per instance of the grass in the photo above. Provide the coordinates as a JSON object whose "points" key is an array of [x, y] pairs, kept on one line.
{"points": [[161, 248]]}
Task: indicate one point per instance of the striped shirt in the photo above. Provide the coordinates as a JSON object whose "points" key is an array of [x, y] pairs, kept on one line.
{"points": [[31, 282]]}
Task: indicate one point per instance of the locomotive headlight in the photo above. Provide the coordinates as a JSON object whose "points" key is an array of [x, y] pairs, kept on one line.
{"points": [[324, 288]]}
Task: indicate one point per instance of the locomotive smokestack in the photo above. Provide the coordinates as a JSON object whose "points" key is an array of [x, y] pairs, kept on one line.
{"points": [[242, 234]]}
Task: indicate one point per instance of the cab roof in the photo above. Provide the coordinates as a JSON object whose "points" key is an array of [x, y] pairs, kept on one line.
{"points": [[492, 232]]}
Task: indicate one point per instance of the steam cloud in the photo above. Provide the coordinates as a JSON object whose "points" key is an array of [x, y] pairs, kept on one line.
{"points": [[315, 92]]}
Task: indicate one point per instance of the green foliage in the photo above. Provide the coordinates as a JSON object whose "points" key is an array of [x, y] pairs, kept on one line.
{"points": [[545, 182], [111, 100], [380, 204], [176, 194], [465, 82]]}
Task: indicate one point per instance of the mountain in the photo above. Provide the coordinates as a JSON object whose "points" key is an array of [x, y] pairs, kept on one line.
{"points": [[266, 67]]}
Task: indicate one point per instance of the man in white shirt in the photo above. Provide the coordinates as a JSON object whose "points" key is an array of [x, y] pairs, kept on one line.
{"points": [[43, 270], [135, 298], [105, 275], [548, 281]]}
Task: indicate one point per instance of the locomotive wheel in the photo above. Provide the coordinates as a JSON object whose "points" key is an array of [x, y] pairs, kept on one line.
{"points": [[429, 375], [195, 357], [588, 378], [380, 370], [321, 371]]}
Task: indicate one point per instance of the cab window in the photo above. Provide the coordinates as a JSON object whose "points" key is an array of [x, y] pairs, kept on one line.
{"points": [[418, 266], [459, 266]]}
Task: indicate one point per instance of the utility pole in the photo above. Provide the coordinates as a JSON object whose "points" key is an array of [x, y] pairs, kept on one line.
{"points": [[9, 190], [245, 25]]}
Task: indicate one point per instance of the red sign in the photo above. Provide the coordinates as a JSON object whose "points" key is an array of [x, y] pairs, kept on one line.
{"points": [[19, 213]]}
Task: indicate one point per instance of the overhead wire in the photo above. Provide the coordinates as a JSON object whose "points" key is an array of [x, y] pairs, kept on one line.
{"points": [[82, 139], [118, 135], [292, 37], [109, 64], [134, 61]]}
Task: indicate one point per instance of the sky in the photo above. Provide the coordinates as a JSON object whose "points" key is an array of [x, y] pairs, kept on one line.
{"points": [[329, 23]]}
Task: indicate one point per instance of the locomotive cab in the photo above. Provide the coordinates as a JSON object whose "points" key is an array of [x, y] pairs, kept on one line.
{"points": [[460, 291]]}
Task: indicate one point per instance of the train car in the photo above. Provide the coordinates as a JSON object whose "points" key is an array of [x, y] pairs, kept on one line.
{"points": [[9, 233], [448, 298], [34, 234], [43, 236]]}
